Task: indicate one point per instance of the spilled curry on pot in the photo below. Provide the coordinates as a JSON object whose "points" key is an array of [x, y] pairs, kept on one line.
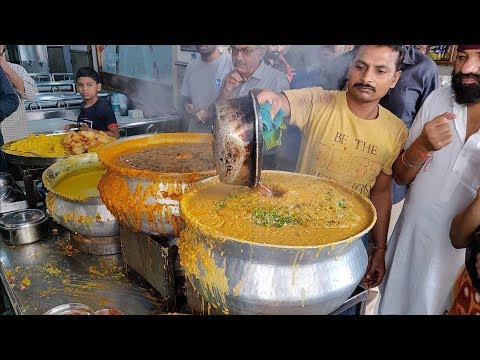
{"points": [[310, 211], [147, 175]]}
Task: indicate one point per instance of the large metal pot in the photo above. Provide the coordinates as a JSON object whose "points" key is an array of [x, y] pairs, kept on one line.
{"points": [[243, 277], [145, 200], [87, 216], [28, 159]]}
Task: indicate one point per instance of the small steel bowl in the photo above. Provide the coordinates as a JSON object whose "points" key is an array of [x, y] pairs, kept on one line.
{"points": [[238, 140], [70, 309]]}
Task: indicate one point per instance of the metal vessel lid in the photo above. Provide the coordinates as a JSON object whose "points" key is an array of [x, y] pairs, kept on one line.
{"points": [[22, 218]]}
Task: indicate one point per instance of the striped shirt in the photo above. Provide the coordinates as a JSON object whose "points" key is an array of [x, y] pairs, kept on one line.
{"points": [[16, 125]]}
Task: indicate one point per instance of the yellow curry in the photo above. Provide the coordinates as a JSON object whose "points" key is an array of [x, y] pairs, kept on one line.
{"points": [[80, 185], [310, 211]]}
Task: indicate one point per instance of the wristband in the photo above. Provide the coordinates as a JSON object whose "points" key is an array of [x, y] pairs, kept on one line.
{"points": [[405, 161], [424, 155]]}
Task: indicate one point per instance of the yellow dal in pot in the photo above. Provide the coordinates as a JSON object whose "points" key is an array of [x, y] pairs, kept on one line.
{"points": [[80, 185], [311, 211]]}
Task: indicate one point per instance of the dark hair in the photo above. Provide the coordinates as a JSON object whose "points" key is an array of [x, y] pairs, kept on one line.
{"points": [[400, 49], [87, 72]]}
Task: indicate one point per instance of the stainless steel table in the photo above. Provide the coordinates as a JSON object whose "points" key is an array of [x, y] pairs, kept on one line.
{"points": [[51, 272]]}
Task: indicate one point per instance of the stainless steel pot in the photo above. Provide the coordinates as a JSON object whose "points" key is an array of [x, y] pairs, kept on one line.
{"points": [[145, 200], [24, 226], [18, 158], [89, 216], [241, 277]]}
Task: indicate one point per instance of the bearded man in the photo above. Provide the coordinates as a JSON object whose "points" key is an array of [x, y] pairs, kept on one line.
{"points": [[442, 155]]}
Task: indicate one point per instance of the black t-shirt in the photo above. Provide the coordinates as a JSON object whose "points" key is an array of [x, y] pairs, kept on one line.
{"points": [[100, 114]]}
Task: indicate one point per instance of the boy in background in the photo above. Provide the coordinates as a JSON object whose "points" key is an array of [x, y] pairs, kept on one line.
{"points": [[95, 111]]}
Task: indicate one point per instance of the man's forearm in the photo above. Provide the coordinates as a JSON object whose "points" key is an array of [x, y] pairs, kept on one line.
{"points": [[383, 205], [409, 163]]}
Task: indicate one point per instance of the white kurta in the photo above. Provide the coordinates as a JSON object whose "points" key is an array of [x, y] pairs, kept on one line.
{"points": [[422, 265]]}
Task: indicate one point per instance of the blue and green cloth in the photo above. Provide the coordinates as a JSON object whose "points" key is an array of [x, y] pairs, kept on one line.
{"points": [[272, 128]]}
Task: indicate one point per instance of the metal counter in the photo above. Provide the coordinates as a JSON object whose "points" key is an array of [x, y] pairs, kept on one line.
{"points": [[51, 272], [41, 123]]}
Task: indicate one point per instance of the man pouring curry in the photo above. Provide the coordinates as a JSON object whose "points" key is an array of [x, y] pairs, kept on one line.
{"points": [[347, 136]]}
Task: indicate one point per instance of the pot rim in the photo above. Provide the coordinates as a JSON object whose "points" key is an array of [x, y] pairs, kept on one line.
{"points": [[110, 152], [51, 176]]}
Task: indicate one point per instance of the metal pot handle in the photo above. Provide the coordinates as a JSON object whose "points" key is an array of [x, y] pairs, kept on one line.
{"points": [[60, 104], [149, 127], [34, 106]]}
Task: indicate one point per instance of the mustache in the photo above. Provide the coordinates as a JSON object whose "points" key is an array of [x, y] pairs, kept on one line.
{"points": [[239, 63], [460, 77], [366, 86]]}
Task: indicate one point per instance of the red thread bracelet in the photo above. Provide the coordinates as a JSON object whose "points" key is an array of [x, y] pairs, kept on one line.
{"points": [[424, 155]]}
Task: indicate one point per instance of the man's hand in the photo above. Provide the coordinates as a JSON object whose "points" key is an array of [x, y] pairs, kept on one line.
{"points": [[68, 127], [375, 270], [437, 133], [190, 109], [232, 81], [197, 112], [278, 101], [85, 128]]}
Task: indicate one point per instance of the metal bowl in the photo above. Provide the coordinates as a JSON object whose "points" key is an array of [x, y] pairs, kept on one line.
{"points": [[70, 309], [238, 140]]}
